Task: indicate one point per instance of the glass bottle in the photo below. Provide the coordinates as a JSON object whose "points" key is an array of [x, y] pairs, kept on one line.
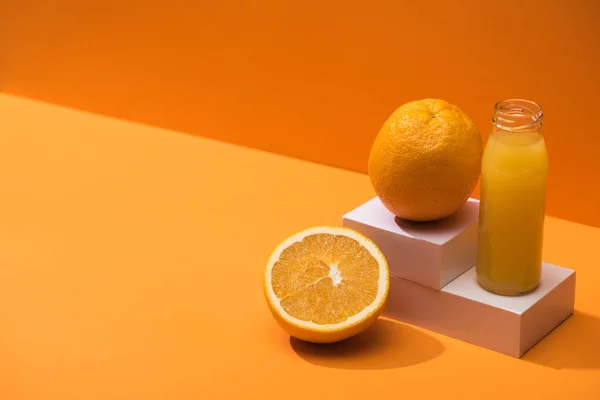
{"points": [[514, 171]]}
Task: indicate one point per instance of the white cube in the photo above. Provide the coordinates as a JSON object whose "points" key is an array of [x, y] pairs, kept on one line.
{"points": [[465, 311], [429, 253]]}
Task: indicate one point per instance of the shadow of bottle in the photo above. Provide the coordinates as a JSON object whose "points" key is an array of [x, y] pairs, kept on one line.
{"points": [[386, 344]]}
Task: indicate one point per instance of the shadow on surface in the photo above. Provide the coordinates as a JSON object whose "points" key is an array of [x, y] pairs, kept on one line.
{"points": [[421, 230], [386, 344], [452, 224], [573, 344]]}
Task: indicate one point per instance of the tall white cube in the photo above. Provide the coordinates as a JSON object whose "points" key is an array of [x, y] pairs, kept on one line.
{"points": [[429, 253]]}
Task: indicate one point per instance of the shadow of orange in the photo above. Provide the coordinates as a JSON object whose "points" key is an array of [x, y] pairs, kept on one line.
{"points": [[385, 345], [575, 344]]}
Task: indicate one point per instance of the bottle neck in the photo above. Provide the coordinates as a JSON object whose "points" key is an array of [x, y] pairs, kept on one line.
{"points": [[517, 117]]}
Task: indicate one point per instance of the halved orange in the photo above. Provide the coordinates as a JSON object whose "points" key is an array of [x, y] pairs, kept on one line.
{"points": [[326, 284]]}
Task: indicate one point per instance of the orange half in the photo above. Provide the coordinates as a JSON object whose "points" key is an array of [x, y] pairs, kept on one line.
{"points": [[325, 284]]}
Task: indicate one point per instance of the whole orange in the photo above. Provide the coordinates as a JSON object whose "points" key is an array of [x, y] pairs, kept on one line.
{"points": [[426, 160]]}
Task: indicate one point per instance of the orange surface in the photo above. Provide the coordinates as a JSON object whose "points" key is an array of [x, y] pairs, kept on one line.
{"points": [[317, 79], [131, 265]]}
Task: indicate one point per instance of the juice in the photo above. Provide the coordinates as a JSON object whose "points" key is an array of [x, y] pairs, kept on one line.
{"points": [[513, 193]]}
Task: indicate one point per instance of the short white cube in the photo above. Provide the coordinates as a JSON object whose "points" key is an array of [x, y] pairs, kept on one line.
{"points": [[429, 253], [465, 311]]}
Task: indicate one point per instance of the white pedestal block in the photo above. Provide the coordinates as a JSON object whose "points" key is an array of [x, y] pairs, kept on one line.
{"points": [[429, 253], [465, 311]]}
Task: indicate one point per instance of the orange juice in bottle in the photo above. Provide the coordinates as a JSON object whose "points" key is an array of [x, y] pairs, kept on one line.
{"points": [[513, 194]]}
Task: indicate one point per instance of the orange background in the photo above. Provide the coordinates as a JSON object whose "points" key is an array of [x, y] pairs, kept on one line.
{"points": [[315, 79], [131, 263], [131, 256]]}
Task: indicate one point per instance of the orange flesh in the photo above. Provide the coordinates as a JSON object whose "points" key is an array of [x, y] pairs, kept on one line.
{"points": [[325, 278]]}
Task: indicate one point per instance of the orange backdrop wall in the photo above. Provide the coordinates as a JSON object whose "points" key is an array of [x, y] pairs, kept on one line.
{"points": [[316, 79]]}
